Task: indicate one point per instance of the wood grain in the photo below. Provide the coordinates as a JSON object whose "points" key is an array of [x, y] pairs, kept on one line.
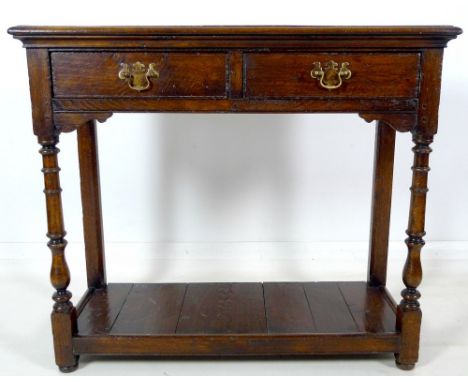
{"points": [[40, 92], [228, 319], [180, 74], [102, 308], [236, 345], [242, 308], [223, 308], [370, 310], [430, 31], [91, 205], [235, 37], [373, 75], [381, 203], [336, 317], [287, 308], [431, 73], [192, 105], [396, 73], [150, 309]]}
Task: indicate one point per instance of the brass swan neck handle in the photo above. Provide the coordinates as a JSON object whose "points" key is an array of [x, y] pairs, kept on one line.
{"points": [[330, 76], [137, 76]]}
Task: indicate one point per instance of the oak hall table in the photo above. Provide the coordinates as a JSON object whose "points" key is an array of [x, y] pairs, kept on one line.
{"points": [[386, 74]]}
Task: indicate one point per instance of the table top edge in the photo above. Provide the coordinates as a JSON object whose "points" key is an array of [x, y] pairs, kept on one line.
{"points": [[259, 30]]}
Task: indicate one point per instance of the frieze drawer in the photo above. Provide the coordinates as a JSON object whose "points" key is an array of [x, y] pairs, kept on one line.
{"points": [[138, 74], [289, 75]]}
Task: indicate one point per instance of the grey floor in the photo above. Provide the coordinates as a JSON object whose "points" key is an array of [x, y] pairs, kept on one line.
{"points": [[25, 337]]}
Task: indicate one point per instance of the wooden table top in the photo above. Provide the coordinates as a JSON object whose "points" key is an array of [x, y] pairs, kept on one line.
{"points": [[22, 30]]}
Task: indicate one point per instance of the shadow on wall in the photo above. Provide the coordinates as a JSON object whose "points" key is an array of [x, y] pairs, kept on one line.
{"points": [[223, 162], [245, 177], [236, 178]]}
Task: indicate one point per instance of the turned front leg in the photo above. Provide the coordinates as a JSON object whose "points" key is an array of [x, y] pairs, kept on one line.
{"points": [[63, 313], [409, 312]]}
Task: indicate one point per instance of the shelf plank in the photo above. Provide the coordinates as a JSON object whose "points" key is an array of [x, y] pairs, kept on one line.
{"points": [[235, 310], [371, 311], [223, 308], [149, 309], [329, 309], [287, 309], [102, 308]]}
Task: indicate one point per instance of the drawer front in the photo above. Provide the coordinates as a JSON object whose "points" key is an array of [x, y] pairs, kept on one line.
{"points": [[284, 75], [172, 75]]}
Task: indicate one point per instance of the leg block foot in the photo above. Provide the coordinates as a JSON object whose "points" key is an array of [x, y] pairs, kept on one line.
{"points": [[69, 369], [403, 365]]}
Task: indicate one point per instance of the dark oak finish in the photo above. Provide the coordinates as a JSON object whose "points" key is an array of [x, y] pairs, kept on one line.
{"points": [[244, 105], [76, 79], [235, 37], [91, 203], [238, 309], [381, 203], [41, 96], [227, 345], [180, 74], [370, 309], [409, 312], [336, 318], [102, 308], [287, 309], [236, 74], [223, 308], [70, 121], [63, 313], [278, 75], [150, 308]]}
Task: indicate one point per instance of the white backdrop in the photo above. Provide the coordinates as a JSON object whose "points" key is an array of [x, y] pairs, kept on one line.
{"points": [[232, 178]]}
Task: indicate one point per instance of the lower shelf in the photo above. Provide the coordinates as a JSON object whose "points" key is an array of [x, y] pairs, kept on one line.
{"points": [[237, 319]]}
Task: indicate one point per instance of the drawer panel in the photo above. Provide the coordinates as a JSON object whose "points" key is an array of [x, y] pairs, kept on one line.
{"points": [[285, 75], [179, 74]]}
